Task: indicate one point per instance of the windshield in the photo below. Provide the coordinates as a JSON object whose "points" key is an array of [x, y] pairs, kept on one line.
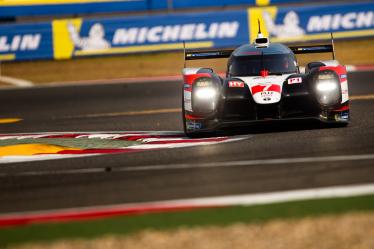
{"points": [[252, 65]]}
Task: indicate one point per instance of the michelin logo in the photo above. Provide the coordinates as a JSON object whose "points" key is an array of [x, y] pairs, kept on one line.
{"points": [[157, 34], [94, 41], [291, 23], [351, 20], [289, 28], [173, 33], [26, 42]]}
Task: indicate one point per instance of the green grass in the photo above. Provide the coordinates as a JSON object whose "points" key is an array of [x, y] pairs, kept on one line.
{"points": [[165, 221]]}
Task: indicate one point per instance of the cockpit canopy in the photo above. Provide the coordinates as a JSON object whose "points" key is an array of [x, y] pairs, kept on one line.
{"points": [[249, 60]]}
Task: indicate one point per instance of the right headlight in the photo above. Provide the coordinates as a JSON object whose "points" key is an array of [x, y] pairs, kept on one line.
{"points": [[327, 88], [204, 95]]}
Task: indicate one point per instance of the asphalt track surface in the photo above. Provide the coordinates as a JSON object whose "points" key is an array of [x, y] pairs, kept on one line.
{"points": [[106, 108]]}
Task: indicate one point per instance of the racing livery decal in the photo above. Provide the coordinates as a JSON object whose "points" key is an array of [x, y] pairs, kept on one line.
{"points": [[266, 90], [269, 93], [236, 84], [296, 80], [45, 146]]}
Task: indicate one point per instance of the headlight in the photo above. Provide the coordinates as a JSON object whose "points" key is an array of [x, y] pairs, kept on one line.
{"points": [[204, 95], [327, 88], [205, 92]]}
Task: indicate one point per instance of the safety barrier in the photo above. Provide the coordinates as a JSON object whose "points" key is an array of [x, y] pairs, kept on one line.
{"points": [[72, 38], [181, 4], [11, 9]]}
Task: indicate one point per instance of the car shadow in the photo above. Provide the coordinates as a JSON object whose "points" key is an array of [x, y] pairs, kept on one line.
{"points": [[276, 127]]}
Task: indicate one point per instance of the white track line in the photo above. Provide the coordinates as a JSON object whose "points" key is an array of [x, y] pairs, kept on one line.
{"points": [[230, 164], [35, 158], [279, 196], [16, 81], [245, 200]]}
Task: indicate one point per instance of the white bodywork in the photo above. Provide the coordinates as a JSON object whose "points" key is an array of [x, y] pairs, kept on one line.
{"points": [[190, 70], [266, 90], [187, 101], [187, 94], [344, 88], [331, 63]]}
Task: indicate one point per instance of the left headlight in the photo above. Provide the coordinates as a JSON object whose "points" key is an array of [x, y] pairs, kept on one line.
{"points": [[327, 88], [204, 95]]}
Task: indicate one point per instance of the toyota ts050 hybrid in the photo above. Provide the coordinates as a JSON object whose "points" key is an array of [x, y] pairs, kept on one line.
{"points": [[263, 83]]}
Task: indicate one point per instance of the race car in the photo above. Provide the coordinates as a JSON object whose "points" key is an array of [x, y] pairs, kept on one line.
{"points": [[263, 83]]}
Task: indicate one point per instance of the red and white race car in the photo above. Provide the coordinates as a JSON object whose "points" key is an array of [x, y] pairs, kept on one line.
{"points": [[263, 83]]}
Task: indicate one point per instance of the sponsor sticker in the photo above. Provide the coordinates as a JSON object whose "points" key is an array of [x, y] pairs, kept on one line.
{"points": [[342, 117], [236, 84], [297, 80], [343, 76], [193, 125], [266, 88], [267, 95]]}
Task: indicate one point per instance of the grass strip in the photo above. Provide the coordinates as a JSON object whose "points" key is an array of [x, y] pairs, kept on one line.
{"points": [[166, 221]]}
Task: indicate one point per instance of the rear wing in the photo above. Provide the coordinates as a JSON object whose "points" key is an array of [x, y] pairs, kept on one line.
{"points": [[325, 48], [216, 54], [312, 49], [211, 54], [205, 54]]}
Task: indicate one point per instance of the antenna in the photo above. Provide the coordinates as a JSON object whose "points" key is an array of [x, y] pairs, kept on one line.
{"points": [[184, 54], [259, 26], [261, 41], [333, 47]]}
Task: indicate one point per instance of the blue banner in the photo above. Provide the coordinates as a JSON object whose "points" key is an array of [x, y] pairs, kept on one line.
{"points": [[288, 24], [12, 9], [27, 41], [74, 7], [71, 38], [79, 37]]}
